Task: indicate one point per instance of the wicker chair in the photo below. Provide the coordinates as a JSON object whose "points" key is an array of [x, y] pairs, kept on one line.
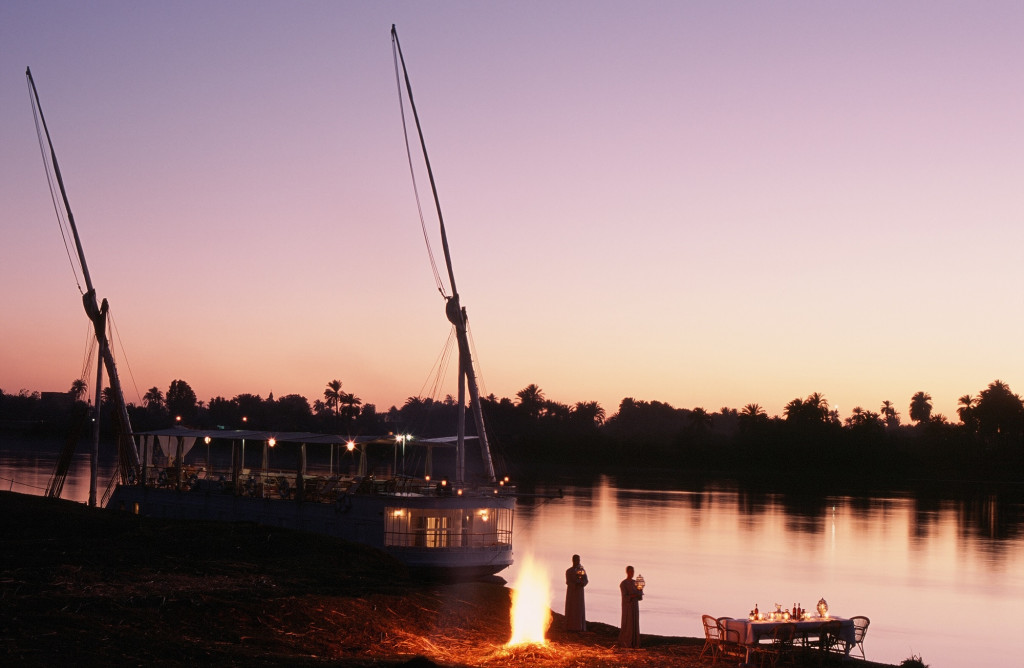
{"points": [[860, 629], [732, 644], [712, 638], [829, 640], [779, 649]]}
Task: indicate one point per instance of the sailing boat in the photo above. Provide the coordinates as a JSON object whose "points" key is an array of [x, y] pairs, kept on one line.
{"points": [[439, 528]]}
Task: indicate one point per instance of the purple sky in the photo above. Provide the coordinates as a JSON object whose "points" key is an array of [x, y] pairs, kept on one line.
{"points": [[707, 204]]}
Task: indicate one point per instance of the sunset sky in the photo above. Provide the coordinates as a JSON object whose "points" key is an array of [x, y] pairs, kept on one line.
{"points": [[702, 203]]}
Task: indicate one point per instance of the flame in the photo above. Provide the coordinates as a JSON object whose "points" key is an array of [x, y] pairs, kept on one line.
{"points": [[531, 613]]}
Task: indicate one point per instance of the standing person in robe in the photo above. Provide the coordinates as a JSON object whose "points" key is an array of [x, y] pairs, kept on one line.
{"points": [[629, 629], [575, 609]]}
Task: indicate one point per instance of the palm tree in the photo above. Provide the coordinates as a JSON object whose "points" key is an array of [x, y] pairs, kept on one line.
{"points": [[920, 407], [531, 399], [77, 390], [999, 412], [153, 399], [890, 414], [794, 409], [750, 415], [589, 411], [350, 401], [333, 395], [700, 419], [819, 404], [965, 410]]}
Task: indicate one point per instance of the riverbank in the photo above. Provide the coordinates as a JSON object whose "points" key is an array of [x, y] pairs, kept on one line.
{"points": [[89, 587]]}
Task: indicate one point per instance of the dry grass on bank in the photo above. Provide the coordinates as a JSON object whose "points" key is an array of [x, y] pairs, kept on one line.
{"points": [[89, 587]]}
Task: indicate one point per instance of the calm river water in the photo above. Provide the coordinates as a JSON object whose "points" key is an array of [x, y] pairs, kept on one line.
{"points": [[941, 577]]}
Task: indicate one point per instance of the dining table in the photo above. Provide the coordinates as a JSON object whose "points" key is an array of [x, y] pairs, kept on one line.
{"points": [[752, 631]]}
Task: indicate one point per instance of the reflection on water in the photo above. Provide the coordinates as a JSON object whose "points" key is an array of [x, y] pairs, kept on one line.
{"points": [[939, 577]]}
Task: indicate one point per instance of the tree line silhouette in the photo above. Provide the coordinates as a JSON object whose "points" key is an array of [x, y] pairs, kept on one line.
{"points": [[534, 436]]}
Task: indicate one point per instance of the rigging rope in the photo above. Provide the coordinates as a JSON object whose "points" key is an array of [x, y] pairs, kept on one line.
{"points": [[412, 173], [476, 361], [438, 370], [58, 210], [88, 357], [124, 355]]}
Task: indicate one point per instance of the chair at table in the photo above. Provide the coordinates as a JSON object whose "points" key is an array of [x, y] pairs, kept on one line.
{"points": [[829, 640], [860, 629], [732, 645], [780, 648], [712, 638]]}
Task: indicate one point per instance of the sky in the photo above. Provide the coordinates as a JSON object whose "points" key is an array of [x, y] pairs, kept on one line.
{"points": [[701, 203]]}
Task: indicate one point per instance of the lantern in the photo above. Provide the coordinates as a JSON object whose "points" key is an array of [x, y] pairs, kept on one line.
{"points": [[822, 608], [640, 582]]}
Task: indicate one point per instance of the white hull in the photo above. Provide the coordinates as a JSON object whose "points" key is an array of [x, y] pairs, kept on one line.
{"points": [[445, 536]]}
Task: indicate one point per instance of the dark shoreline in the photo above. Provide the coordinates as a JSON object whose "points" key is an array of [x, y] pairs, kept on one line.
{"points": [[89, 586]]}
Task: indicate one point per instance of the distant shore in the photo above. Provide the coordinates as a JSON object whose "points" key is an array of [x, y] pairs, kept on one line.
{"points": [[96, 587]]}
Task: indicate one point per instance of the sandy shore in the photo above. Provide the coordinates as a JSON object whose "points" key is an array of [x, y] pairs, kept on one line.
{"points": [[81, 586]]}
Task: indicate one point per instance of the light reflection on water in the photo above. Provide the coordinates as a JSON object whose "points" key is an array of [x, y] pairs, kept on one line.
{"points": [[943, 578], [939, 577]]}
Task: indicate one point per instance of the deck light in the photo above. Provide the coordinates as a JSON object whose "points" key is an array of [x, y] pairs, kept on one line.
{"points": [[350, 446], [272, 442]]}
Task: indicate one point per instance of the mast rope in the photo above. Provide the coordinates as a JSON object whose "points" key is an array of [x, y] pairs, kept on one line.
{"points": [[434, 379], [476, 361], [115, 334], [412, 173], [61, 218], [88, 357]]}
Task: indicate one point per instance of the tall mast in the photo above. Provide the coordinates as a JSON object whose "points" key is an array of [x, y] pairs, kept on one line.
{"points": [[127, 453], [455, 312]]}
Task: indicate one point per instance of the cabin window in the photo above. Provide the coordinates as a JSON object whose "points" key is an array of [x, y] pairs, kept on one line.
{"points": [[433, 528]]}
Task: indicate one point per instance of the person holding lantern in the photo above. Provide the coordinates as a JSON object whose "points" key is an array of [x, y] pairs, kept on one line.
{"points": [[629, 629], [575, 609]]}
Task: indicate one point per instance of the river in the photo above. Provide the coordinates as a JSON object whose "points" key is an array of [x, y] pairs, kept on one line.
{"points": [[940, 576]]}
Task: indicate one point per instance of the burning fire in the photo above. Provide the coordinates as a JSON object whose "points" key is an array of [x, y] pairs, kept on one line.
{"points": [[531, 611]]}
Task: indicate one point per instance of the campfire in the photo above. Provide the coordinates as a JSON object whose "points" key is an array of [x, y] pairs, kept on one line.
{"points": [[531, 612]]}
